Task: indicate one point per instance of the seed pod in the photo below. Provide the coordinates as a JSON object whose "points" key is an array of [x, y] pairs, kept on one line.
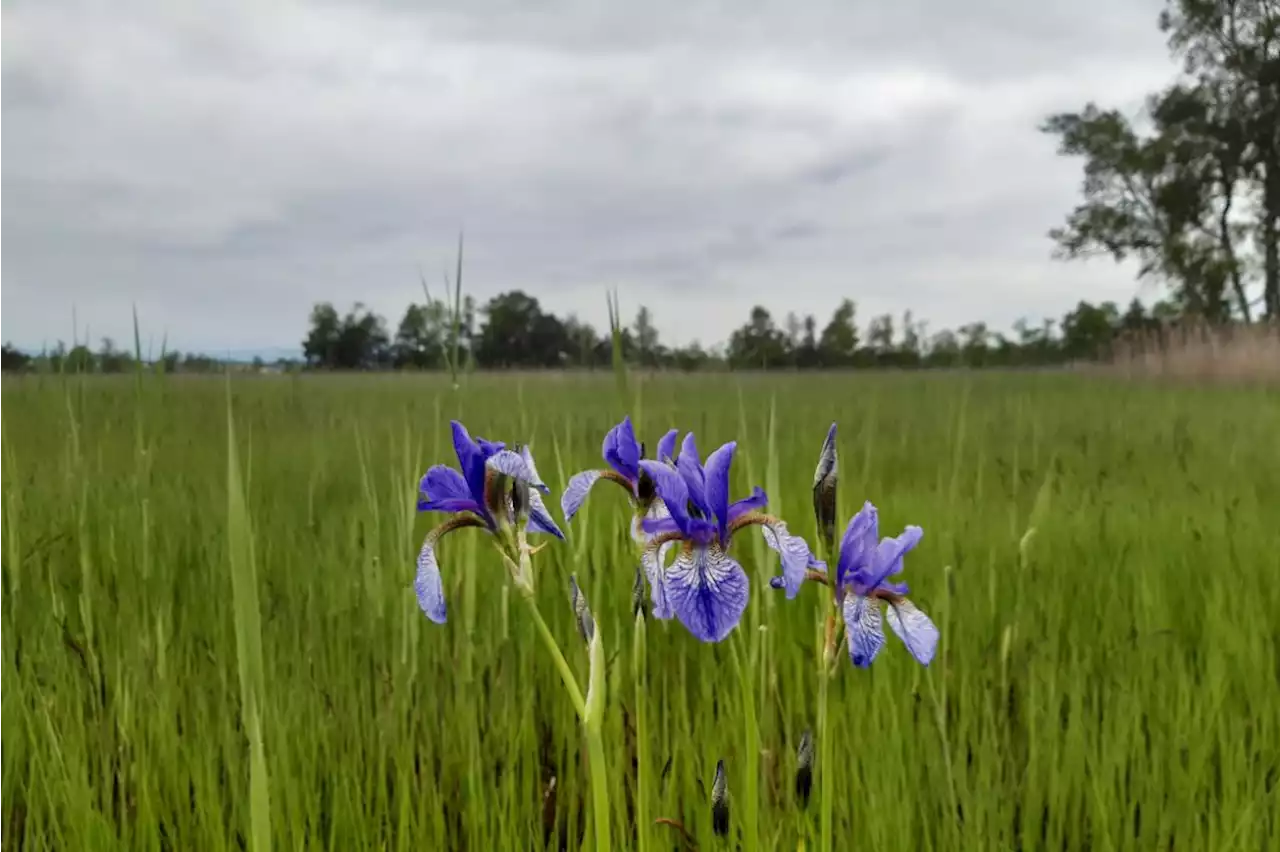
{"points": [[586, 624], [720, 801], [804, 768]]}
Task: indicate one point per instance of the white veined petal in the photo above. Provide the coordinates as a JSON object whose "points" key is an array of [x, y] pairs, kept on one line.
{"points": [[536, 481], [653, 560], [914, 628], [576, 492], [540, 520], [427, 583], [862, 627], [794, 552], [708, 590], [511, 464]]}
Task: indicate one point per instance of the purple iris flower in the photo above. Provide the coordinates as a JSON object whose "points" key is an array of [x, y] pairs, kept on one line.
{"points": [[705, 587], [493, 489], [623, 453], [863, 574]]}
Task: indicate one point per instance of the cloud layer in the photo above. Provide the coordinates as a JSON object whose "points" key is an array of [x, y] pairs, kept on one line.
{"points": [[227, 166]]}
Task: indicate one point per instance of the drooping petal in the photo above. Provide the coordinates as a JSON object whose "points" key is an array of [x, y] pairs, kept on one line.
{"points": [[795, 554], [690, 466], [757, 500], [653, 560], [470, 460], [540, 520], [427, 583], [621, 450], [535, 480], [914, 628], [889, 553], [857, 547], [667, 446], [717, 486], [672, 489], [576, 492], [708, 591], [862, 626]]}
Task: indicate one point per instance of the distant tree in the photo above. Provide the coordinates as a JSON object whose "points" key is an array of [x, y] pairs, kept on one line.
{"points": [[646, 337], [839, 341], [320, 348], [518, 334], [806, 355], [880, 334], [758, 344], [14, 359], [1088, 330], [421, 336]]}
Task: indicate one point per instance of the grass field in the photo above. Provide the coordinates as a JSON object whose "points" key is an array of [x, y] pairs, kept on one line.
{"points": [[209, 655]]}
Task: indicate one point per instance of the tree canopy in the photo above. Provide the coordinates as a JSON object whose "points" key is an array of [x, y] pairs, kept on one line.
{"points": [[1195, 199]]}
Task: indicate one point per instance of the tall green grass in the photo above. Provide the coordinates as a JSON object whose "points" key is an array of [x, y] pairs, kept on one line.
{"points": [[1109, 681]]}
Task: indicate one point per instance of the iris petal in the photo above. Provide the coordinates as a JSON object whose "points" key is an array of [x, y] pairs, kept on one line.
{"points": [[717, 486], [887, 561], [690, 466], [470, 460], [576, 492], [858, 545], [795, 554], [757, 500], [862, 625], [453, 505], [667, 446], [442, 481], [511, 464], [914, 628], [708, 591], [536, 481], [540, 520], [652, 560], [427, 583], [672, 489]]}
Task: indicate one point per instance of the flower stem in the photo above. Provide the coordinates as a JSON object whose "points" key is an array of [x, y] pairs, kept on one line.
{"points": [[591, 723], [751, 755], [562, 665], [642, 737], [599, 787], [825, 774]]}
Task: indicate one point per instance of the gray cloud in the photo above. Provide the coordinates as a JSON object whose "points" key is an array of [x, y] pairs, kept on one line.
{"points": [[225, 166]]}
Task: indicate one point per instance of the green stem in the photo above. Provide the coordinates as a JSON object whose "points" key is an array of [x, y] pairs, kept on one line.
{"points": [[642, 738], [599, 787], [826, 776], [751, 755], [562, 665], [592, 724]]}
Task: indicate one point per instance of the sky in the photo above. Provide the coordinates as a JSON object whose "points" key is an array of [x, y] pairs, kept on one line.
{"points": [[224, 166]]}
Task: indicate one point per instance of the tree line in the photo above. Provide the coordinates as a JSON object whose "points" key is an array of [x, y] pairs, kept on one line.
{"points": [[513, 331]]}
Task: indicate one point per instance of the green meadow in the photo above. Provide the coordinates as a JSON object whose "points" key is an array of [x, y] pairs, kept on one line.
{"points": [[211, 641]]}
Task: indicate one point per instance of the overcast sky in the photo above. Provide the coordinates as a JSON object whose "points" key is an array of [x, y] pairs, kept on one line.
{"points": [[226, 165]]}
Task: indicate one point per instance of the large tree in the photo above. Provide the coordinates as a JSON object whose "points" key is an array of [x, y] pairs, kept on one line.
{"points": [[1196, 199]]}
